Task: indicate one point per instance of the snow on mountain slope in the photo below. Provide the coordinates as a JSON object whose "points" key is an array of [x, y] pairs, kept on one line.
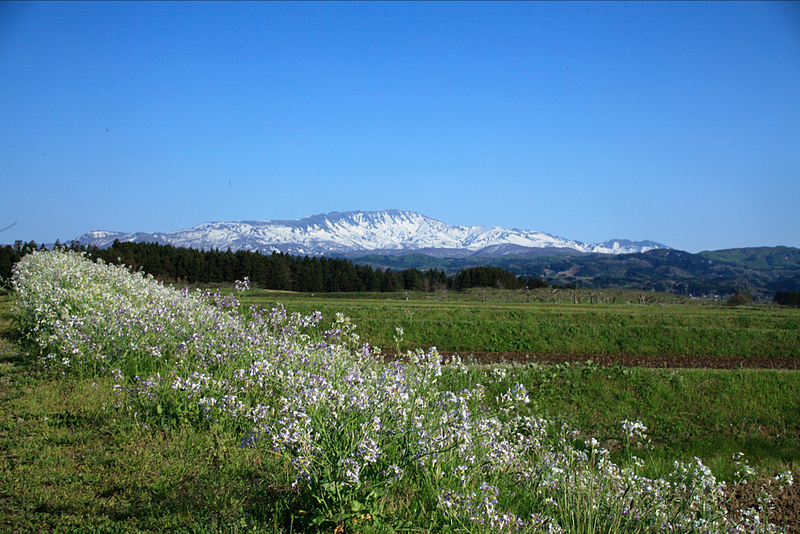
{"points": [[359, 232]]}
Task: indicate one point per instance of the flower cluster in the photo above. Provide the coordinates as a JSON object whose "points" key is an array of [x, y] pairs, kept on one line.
{"points": [[480, 507], [242, 285]]}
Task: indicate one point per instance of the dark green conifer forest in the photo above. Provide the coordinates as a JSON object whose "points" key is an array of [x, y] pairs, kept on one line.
{"points": [[274, 271]]}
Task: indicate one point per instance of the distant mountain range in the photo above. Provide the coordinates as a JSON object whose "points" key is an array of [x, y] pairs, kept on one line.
{"points": [[398, 240], [761, 270], [356, 233]]}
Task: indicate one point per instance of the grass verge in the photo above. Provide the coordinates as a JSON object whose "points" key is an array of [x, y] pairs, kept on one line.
{"points": [[71, 461]]}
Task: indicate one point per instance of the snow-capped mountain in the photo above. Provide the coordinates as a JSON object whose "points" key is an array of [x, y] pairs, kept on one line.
{"points": [[367, 232]]}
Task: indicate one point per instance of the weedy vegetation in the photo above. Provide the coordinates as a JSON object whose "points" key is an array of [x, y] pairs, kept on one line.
{"points": [[146, 409]]}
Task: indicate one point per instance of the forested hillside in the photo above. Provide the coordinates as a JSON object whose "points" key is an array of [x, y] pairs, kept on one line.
{"points": [[767, 258], [763, 271]]}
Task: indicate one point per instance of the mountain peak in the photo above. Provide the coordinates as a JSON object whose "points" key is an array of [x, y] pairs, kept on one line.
{"points": [[358, 232]]}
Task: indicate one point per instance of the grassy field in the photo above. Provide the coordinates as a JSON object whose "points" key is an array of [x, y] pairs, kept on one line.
{"points": [[74, 458], [614, 322], [690, 412]]}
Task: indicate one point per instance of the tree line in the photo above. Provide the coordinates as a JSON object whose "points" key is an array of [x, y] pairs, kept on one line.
{"points": [[277, 270], [787, 298]]}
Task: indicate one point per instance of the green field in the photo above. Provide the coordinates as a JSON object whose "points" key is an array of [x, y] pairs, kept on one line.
{"points": [[500, 321], [71, 460]]}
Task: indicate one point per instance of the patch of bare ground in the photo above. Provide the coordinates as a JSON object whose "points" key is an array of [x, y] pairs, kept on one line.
{"points": [[651, 361], [784, 510]]}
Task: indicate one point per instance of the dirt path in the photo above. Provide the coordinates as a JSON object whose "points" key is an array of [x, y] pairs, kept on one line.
{"points": [[655, 362]]}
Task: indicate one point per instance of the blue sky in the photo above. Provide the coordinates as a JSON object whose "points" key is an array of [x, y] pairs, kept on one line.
{"points": [[676, 122]]}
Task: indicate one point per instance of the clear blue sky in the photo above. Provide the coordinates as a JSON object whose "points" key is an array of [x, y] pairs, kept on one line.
{"points": [[676, 122]]}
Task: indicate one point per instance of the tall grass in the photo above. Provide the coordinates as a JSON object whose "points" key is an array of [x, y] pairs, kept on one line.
{"points": [[354, 444]]}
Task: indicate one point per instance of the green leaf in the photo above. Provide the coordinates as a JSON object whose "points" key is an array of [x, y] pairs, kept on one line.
{"points": [[356, 506], [378, 493]]}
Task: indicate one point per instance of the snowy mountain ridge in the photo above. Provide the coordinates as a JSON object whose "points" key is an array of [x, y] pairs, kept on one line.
{"points": [[363, 232]]}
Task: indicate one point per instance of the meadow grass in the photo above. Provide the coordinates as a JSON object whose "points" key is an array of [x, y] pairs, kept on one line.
{"points": [[259, 421], [497, 321]]}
